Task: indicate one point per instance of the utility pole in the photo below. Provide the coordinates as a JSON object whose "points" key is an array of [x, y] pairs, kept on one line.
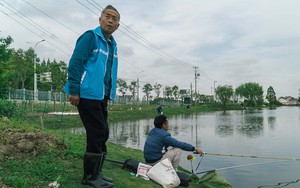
{"points": [[138, 86], [138, 89], [196, 77], [191, 90], [299, 97], [35, 91], [215, 97]]}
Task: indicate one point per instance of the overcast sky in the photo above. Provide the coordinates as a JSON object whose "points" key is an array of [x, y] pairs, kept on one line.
{"points": [[232, 42]]}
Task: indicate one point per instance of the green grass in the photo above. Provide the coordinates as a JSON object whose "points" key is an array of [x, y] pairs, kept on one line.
{"points": [[65, 164]]}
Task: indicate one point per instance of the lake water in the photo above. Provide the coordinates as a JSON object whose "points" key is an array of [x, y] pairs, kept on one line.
{"points": [[273, 133]]}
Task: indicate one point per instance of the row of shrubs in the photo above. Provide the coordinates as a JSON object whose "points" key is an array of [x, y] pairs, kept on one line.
{"points": [[7, 108]]}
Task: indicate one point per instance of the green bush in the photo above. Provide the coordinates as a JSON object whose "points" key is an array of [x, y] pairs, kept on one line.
{"points": [[7, 108]]}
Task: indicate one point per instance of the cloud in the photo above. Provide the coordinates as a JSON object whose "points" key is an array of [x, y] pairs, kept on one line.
{"points": [[230, 41]]}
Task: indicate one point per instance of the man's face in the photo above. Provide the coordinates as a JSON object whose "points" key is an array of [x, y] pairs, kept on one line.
{"points": [[165, 126], [109, 22]]}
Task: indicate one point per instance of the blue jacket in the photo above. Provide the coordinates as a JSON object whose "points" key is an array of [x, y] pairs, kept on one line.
{"points": [[158, 139], [87, 66]]}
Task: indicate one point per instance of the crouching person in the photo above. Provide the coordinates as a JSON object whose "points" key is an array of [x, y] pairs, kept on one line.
{"points": [[160, 145]]}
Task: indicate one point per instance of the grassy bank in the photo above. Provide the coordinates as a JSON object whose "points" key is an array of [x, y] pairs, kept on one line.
{"points": [[33, 157], [59, 160], [117, 113]]}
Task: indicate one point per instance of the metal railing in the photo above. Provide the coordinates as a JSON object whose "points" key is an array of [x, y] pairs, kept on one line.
{"points": [[51, 96], [28, 95]]}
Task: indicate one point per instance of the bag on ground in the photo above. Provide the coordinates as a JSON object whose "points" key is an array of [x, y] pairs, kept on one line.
{"points": [[164, 174], [131, 165], [142, 170], [184, 179]]}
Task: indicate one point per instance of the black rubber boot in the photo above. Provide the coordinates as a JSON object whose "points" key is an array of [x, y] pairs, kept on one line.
{"points": [[100, 170], [91, 166]]}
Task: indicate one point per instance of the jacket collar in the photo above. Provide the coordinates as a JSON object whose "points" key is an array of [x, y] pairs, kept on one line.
{"points": [[98, 31]]}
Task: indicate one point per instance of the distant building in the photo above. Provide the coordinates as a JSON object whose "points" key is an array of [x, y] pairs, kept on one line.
{"points": [[288, 101]]}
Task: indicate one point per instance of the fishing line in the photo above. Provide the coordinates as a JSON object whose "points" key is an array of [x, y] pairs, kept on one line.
{"points": [[237, 166], [253, 156], [280, 184]]}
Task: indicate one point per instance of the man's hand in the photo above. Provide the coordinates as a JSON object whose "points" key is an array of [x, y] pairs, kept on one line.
{"points": [[199, 151], [74, 99]]}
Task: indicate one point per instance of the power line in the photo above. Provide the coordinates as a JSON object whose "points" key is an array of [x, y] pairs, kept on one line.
{"points": [[51, 17], [33, 32], [126, 30], [123, 30], [152, 47], [29, 28], [37, 26], [86, 7]]}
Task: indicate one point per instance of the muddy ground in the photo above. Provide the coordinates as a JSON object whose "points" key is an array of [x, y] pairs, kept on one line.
{"points": [[20, 144]]}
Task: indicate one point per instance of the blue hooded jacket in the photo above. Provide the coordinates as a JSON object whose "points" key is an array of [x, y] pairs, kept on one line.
{"points": [[87, 66]]}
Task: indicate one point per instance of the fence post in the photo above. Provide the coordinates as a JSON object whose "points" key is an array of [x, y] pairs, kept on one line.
{"points": [[23, 94], [49, 96], [9, 94], [60, 96]]}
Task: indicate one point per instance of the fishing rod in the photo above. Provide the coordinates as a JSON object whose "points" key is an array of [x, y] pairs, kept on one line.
{"points": [[115, 161], [237, 166], [253, 156]]}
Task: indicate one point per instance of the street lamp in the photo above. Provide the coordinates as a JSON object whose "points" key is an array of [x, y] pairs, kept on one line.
{"points": [[196, 77], [215, 97], [35, 91], [138, 86]]}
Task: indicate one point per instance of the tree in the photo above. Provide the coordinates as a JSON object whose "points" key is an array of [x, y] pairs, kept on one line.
{"points": [[16, 69], [5, 55], [252, 92], [22, 61], [58, 75], [224, 93], [46, 76], [271, 96], [133, 88], [147, 90], [168, 92], [175, 92], [122, 86], [157, 89]]}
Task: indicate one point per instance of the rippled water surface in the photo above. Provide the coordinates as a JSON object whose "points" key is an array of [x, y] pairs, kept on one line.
{"points": [[272, 133]]}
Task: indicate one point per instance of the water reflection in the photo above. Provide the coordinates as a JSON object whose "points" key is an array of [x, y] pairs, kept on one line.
{"points": [[271, 122], [189, 128], [225, 124], [224, 129], [229, 132], [251, 126], [130, 133]]}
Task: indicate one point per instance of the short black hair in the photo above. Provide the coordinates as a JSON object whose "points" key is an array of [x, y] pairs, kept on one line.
{"points": [[160, 120]]}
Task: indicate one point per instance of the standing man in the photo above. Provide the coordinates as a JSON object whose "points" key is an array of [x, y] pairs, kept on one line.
{"points": [[160, 145], [92, 78], [159, 110]]}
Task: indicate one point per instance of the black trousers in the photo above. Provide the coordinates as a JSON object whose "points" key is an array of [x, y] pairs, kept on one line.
{"points": [[93, 114]]}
